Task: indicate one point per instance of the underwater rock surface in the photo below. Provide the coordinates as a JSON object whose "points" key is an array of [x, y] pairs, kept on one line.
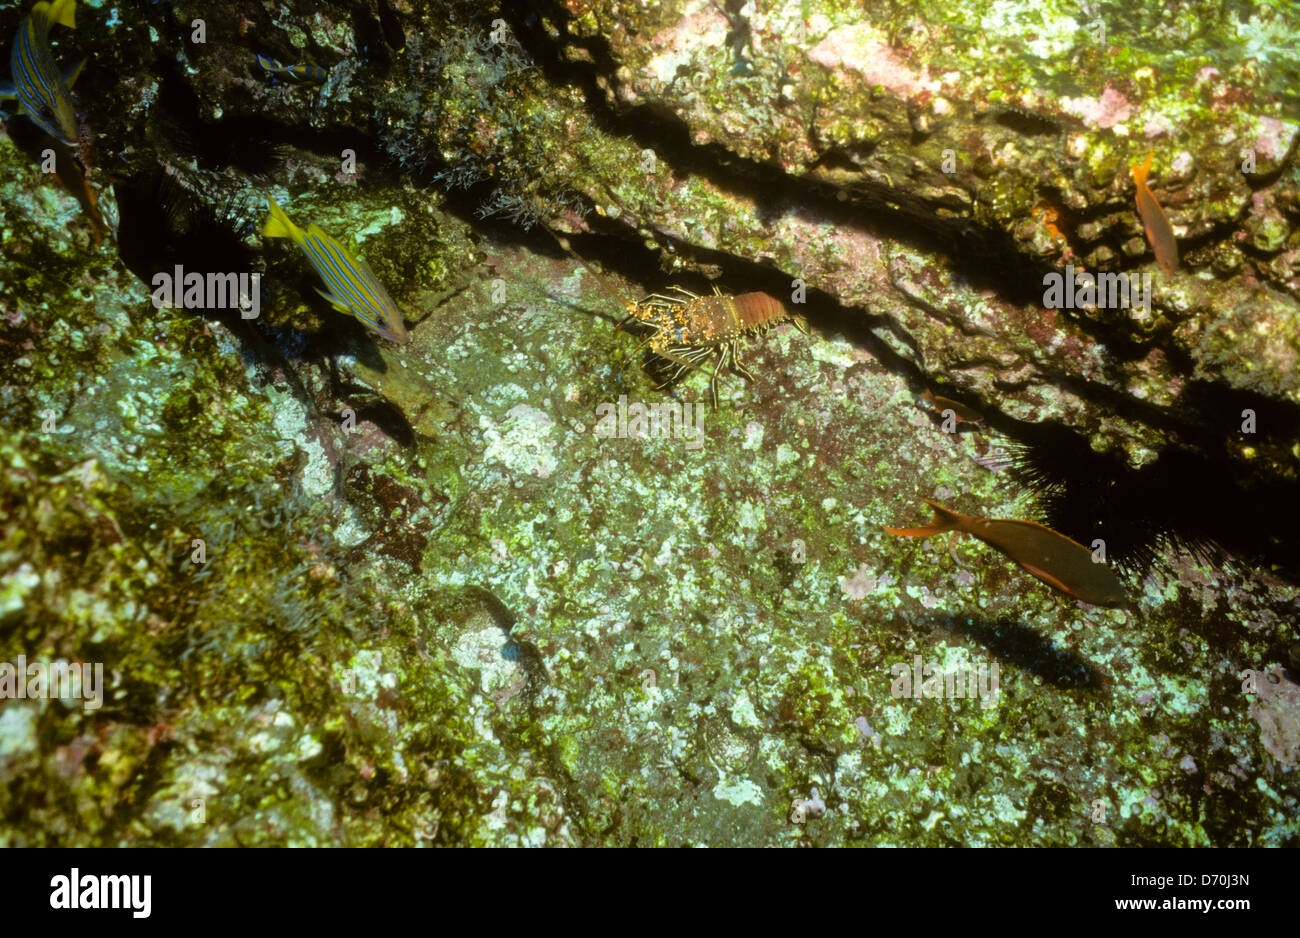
{"points": [[457, 592]]}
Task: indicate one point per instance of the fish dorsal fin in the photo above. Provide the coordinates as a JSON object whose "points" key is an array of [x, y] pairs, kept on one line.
{"points": [[367, 274], [1041, 527], [331, 243], [315, 231]]}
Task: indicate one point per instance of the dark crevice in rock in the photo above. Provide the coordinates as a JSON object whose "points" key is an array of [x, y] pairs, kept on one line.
{"points": [[253, 143]]}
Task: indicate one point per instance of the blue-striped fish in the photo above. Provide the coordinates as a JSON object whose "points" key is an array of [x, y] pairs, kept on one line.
{"points": [[353, 287], [44, 93], [293, 74]]}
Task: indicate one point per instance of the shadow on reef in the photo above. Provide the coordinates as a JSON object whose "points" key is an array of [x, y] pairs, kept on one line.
{"points": [[252, 144], [163, 224], [1021, 645]]}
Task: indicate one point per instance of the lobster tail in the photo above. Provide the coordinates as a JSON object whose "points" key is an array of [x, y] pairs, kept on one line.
{"points": [[755, 310]]}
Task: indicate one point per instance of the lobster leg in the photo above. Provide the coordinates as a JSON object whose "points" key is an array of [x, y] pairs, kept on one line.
{"points": [[717, 372], [736, 363], [688, 358]]}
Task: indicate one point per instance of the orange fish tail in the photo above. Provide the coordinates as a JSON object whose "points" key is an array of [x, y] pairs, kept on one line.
{"points": [[944, 520], [1140, 172]]}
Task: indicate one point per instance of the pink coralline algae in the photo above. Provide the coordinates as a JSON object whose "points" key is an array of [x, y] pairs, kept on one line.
{"points": [[1274, 138], [705, 28], [1105, 112], [677, 45], [856, 49]]}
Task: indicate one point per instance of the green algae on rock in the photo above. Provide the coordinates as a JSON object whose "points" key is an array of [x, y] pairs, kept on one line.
{"points": [[347, 594]]}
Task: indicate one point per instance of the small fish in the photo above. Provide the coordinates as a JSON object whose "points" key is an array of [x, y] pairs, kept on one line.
{"points": [[44, 94], [963, 413], [1059, 561], [353, 287], [1159, 232], [1050, 216], [293, 74]]}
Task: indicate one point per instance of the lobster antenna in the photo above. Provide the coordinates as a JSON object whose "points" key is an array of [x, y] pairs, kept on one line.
{"points": [[600, 280]]}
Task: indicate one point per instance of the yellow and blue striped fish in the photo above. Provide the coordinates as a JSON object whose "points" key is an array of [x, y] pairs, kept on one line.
{"points": [[44, 94], [293, 74], [353, 287]]}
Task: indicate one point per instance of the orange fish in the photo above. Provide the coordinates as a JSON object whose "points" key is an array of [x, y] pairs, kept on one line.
{"points": [[1159, 232], [1060, 562], [963, 413], [1050, 217]]}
